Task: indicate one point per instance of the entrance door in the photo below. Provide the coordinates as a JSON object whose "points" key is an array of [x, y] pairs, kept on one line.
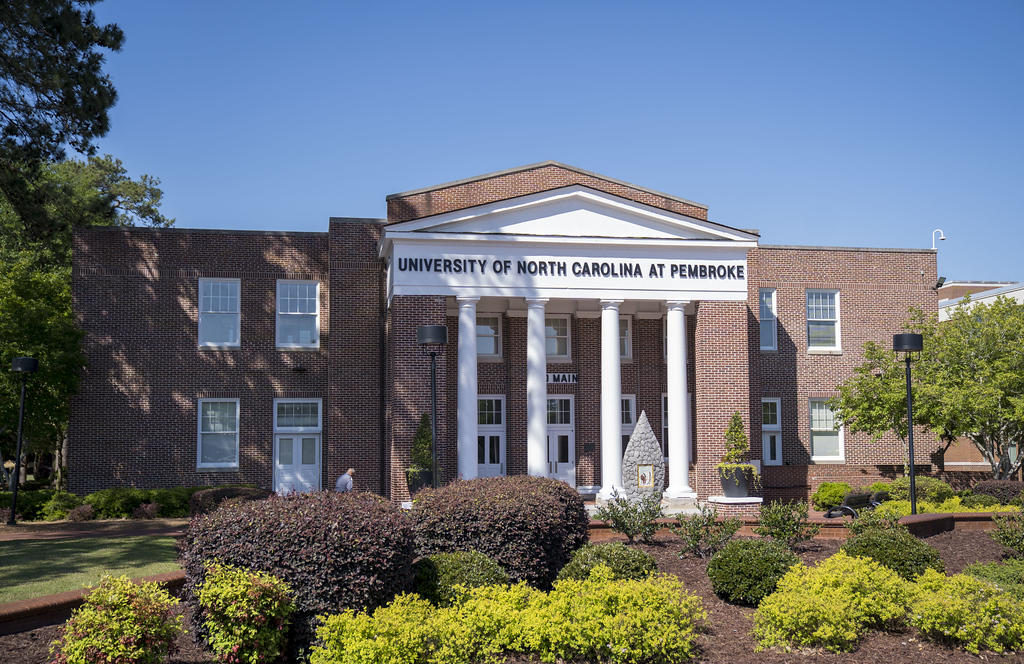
{"points": [[561, 439], [296, 462]]}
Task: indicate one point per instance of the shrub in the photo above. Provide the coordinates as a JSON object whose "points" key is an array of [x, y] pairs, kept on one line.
{"points": [[1005, 491], [898, 508], [596, 619], [528, 525], [82, 513], [623, 561], [116, 503], [928, 488], [829, 495], [438, 574], [422, 455], [896, 549], [207, 500], [30, 502], [875, 487], [334, 550], [146, 511], [747, 571], [119, 622], [633, 517], [702, 533], [58, 506], [831, 605], [786, 523], [979, 500], [174, 502], [875, 520], [1008, 575], [246, 614], [967, 611], [1010, 532]]}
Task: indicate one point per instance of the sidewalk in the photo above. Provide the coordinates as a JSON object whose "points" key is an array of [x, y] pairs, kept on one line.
{"points": [[46, 530]]}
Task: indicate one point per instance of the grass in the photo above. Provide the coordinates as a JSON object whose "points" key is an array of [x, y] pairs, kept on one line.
{"points": [[33, 568]]}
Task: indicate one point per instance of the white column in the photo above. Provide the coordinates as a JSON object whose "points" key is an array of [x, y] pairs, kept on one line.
{"points": [[678, 404], [467, 388], [611, 401], [536, 390]]}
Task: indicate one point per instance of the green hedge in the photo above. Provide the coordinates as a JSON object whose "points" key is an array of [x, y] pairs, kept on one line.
{"points": [[114, 503]]}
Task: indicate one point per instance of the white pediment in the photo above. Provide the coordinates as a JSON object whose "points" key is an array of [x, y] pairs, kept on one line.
{"points": [[571, 212]]}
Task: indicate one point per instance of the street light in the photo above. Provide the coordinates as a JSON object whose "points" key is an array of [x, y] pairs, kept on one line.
{"points": [[908, 344], [24, 366], [942, 236], [433, 336]]}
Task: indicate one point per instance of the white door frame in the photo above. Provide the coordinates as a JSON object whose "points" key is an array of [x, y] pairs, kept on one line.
{"points": [[565, 471], [486, 431], [297, 434]]}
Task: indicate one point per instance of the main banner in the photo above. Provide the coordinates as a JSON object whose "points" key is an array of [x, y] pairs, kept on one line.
{"points": [[421, 269]]}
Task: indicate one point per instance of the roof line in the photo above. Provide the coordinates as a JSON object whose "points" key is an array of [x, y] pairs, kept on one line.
{"points": [[984, 295], [813, 248], [186, 229], [541, 164]]}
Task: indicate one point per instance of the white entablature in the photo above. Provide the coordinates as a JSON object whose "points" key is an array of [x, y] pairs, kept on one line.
{"points": [[572, 242]]}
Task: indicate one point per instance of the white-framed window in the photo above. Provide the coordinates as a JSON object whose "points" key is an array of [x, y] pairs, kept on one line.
{"points": [[628, 418], [826, 437], [217, 440], [625, 337], [298, 415], [557, 337], [769, 321], [771, 432], [823, 320], [220, 313], [488, 336], [490, 411], [298, 314]]}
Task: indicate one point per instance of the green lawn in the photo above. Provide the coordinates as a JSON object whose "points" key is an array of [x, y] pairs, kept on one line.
{"points": [[32, 568]]}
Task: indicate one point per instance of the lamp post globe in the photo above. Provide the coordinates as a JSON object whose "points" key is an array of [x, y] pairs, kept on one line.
{"points": [[23, 366]]}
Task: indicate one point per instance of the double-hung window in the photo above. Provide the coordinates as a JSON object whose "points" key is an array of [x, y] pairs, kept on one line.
{"points": [[219, 317], [826, 437], [557, 342], [488, 336], [625, 338], [298, 314], [823, 320], [217, 445], [771, 432], [769, 322], [628, 418]]}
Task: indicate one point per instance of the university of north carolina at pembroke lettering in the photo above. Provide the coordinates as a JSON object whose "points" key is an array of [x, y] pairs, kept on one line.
{"points": [[577, 268]]}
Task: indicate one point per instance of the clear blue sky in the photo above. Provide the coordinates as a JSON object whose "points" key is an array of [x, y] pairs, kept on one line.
{"points": [[855, 124]]}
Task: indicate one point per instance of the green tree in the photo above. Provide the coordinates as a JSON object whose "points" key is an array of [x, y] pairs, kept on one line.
{"points": [[422, 450], [967, 383]]}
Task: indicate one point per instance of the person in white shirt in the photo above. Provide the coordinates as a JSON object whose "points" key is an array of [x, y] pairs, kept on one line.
{"points": [[344, 483]]}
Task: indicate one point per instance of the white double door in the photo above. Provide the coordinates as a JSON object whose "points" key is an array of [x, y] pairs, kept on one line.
{"points": [[296, 462], [561, 438]]}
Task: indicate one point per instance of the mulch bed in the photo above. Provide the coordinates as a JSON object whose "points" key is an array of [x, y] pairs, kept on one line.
{"points": [[727, 638]]}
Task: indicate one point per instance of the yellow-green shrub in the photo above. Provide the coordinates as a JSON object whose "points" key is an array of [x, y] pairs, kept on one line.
{"points": [[968, 612], [625, 621], [898, 508], [120, 621], [831, 605], [653, 620], [246, 614]]}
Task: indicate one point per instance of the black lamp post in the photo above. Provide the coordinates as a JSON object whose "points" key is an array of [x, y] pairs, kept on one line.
{"points": [[908, 344], [433, 336], [24, 366]]}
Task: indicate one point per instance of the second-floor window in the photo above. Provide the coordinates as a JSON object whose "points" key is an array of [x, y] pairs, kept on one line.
{"points": [[219, 312], [298, 314], [823, 320], [488, 336], [769, 324]]}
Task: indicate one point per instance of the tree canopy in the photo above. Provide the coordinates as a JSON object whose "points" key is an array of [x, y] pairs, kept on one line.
{"points": [[967, 383]]}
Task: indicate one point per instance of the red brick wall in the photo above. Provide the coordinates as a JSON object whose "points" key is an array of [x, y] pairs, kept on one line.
{"points": [[356, 359], [542, 177], [876, 288], [134, 421]]}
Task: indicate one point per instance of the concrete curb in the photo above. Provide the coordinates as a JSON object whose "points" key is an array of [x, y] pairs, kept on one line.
{"points": [[26, 614]]}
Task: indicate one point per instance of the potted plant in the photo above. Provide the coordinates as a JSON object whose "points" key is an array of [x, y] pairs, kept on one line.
{"points": [[735, 471], [420, 473]]}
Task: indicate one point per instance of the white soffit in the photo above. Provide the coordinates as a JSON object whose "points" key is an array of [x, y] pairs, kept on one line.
{"points": [[574, 212]]}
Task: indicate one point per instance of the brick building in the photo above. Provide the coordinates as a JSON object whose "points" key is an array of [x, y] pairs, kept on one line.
{"points": [[573, 302]]}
